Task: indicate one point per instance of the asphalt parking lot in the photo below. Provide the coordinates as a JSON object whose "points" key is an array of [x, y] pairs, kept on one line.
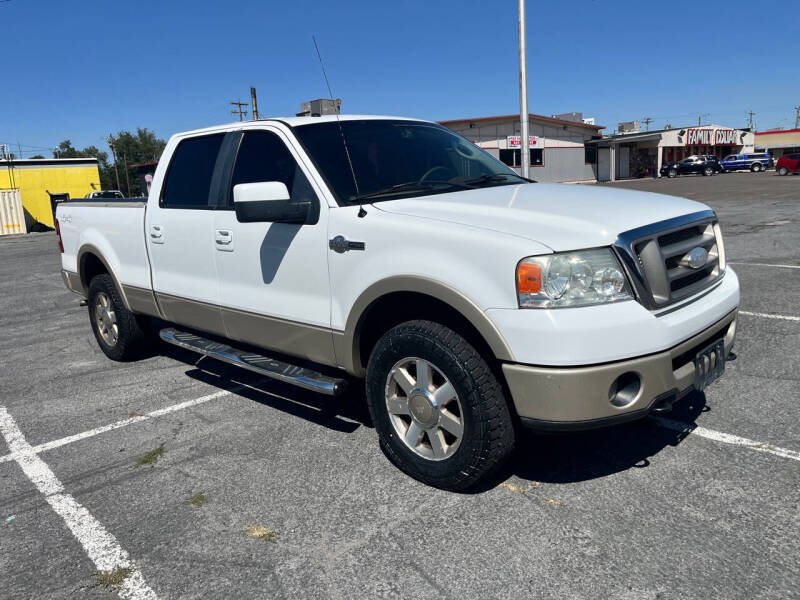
{"points": [[291, 497]]}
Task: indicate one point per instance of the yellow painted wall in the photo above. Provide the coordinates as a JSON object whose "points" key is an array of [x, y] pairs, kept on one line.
{"points": [[33, 181]]}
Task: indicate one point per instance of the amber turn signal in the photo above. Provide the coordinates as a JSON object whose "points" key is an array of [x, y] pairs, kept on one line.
{"points": [[529, 278]]}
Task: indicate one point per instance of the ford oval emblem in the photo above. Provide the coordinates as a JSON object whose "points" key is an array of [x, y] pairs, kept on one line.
{"points": [[696, 258]]}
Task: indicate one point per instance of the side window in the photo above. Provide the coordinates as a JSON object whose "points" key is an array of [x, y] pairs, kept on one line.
{"points": [[188, 179], [263, 156]]}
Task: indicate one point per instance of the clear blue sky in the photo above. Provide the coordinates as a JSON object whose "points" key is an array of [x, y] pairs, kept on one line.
{"points": [[81, 69]]}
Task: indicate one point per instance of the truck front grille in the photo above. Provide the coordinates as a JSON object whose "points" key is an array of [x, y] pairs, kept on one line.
{"points": [[658, 258]]}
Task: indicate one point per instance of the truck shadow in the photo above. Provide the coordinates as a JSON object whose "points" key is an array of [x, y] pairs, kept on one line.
{"points": [[584, 455], [345, 413], [547, 458]]}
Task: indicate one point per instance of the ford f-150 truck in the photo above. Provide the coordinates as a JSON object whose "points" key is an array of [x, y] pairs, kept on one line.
{"points": [[320, 250]]}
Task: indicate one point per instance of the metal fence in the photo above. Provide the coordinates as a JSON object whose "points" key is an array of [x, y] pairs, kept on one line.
{"points": [[12, 217]]}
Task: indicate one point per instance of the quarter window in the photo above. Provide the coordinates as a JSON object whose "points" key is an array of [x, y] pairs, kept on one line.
{"points": [[188, 179]]}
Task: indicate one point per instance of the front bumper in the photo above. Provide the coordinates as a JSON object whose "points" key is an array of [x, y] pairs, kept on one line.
{"points": [[559, 398]]}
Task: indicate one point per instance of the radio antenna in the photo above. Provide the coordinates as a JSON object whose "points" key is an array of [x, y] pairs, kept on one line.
{"points": [[338, 122]]}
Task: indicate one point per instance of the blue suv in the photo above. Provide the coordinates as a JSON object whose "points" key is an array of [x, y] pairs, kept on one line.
{"points": [[755, 162]]}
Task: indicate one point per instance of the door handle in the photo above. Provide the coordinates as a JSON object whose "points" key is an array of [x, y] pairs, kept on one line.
{"points": [[156, 234], [341, 245], [223, 238]]}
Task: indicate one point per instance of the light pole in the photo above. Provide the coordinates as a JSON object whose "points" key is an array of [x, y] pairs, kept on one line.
{"points": [[524, 146]]}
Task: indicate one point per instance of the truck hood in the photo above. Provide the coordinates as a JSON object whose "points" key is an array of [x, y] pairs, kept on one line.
{"points": [[562, 217]]}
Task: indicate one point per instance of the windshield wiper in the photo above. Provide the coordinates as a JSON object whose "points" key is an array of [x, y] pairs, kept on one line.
{"points": [[409, 186], [491, 178]]}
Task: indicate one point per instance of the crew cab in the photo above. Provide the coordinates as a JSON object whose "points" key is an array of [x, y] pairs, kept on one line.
{"points": [[755, 162], [324, 250], [691, 165]]}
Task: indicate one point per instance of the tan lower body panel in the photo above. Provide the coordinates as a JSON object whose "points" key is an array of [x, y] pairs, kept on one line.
{"points": [[581, 394], [72, 281], [141, 300], [287, 337]]}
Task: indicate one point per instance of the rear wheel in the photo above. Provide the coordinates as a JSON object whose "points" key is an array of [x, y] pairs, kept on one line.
{"points": [[708, 171], [438, 408], [119, 332], [783, 171], [756, 167]]}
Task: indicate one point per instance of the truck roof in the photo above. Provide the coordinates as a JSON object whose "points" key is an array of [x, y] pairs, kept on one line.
{"points": [[295, 121]]}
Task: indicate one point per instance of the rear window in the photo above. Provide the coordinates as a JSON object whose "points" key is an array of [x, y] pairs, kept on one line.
{"points": [[188, 179], [762, 155]]}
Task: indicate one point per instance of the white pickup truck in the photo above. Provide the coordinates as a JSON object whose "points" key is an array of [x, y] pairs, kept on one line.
{"points": [[316, 250]]}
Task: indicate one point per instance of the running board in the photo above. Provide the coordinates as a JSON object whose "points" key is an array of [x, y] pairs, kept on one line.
{"points": [[276, 369]]}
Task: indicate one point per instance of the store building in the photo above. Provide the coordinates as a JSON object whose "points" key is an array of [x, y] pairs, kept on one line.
{"points": [[37, 179], [778, 142], [557, 144], [641, 154]]}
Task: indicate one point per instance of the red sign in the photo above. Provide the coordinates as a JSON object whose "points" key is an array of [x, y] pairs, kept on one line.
{"points": [[514, 141]]}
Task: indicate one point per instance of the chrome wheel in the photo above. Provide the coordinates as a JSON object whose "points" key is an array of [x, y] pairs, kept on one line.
{"points": [[106, 319], [424, 409]]}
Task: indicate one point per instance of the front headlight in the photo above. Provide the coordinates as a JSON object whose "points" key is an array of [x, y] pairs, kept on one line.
{"points": [[571, 279]]}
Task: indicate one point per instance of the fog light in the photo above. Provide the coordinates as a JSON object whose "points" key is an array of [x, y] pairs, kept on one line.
{"points": [[625, 389]]}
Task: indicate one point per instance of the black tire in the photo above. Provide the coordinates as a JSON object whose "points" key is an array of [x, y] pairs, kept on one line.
{"points": [[708, 171], [131, 339], [672, 173], [488, 430], [756, 167], [783, 171]]}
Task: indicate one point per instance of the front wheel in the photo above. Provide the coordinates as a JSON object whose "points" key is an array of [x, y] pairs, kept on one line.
{"points": [[783, 171], [117, 330], [672, 173], [438, 408]]}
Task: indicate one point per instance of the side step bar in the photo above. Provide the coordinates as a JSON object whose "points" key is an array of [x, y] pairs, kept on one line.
{"points": [[263, 365]]}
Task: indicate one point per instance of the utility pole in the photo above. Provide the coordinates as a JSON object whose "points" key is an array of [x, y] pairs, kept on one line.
{"points": [[523, 96], [797, 117], [114, 154], [238, 110], [647, 121], [254, 102], [127, 178], [750, 114]]}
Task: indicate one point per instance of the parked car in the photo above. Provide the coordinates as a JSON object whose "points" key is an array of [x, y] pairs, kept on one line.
{"points": [[714, 160], [110, 194], [788, 163], [755, 162], [690, 165], [468, 298]]}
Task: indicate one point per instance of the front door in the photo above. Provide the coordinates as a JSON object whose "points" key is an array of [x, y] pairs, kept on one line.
{"points": [[273, 277], [179, 232]]}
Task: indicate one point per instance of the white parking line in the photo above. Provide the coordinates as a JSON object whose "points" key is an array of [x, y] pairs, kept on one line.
{"points": [[99, 544], [765, 265], [123, 423], [769, 316], [726, 438]]}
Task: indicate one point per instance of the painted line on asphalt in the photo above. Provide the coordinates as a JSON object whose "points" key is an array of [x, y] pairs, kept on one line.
{"points": [[726, 438], [765, 265], [123, 423], [100, 545], [769, 316]]}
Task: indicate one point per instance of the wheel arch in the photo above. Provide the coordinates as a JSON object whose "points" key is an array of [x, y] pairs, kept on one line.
{"points": [[91, 262], [397, 299]]}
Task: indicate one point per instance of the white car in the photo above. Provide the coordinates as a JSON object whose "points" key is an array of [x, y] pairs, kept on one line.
{"points": [[318, 250]]}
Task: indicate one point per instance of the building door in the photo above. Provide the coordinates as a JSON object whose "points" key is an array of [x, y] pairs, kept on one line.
{"points": [[624, 162], [603, 164]]}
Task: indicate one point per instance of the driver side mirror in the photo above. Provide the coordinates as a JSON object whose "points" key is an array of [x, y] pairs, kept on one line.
{"points": [[268, 202]]}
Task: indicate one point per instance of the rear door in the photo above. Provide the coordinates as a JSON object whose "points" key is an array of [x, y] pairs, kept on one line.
{"points": [[179, 230], [273, 277]]}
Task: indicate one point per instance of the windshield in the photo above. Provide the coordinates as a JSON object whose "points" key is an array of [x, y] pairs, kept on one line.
{"points": [[398, 159]]}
